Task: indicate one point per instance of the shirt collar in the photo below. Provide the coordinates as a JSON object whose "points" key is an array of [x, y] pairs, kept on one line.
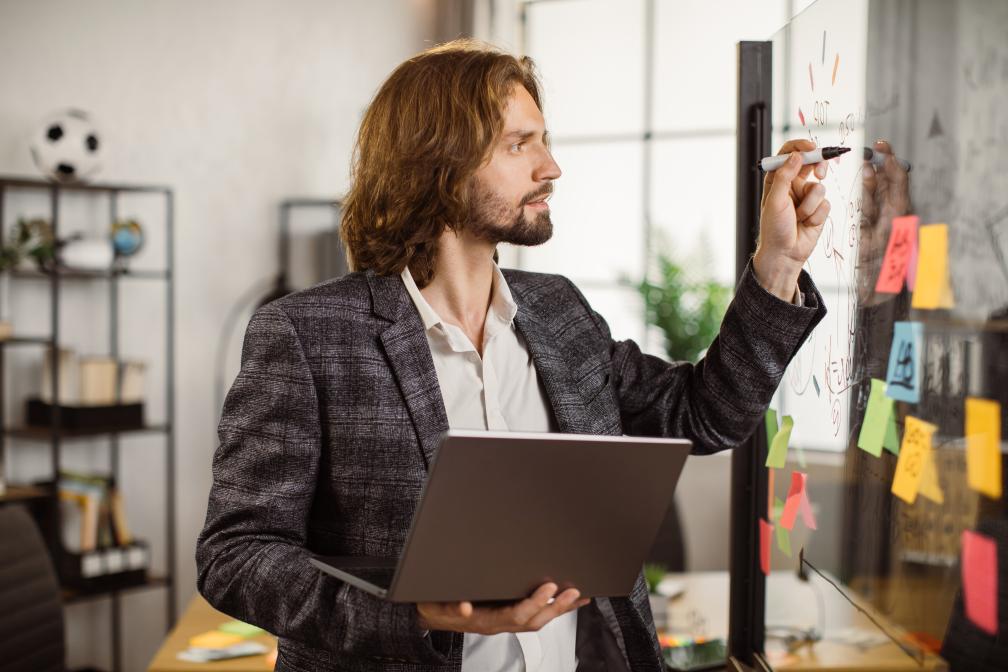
{"points": [[502, 305]]}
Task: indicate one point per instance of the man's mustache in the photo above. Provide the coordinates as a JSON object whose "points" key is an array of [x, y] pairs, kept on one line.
{"points": [[537, 195]]}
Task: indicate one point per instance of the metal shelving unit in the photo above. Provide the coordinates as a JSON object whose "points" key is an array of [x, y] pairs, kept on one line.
{"points": [[55, 435]]}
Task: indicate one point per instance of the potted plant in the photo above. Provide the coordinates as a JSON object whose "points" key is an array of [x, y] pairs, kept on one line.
{"points": [[688, 310]]}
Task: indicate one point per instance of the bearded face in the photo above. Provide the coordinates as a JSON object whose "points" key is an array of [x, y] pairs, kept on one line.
{"points": [[494, 219]]}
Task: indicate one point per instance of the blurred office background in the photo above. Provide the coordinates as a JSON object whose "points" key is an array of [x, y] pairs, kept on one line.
{"points": [[239, 106]]}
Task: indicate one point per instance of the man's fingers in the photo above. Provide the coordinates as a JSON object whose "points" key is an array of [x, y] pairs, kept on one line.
{"points": [[817, 218], [814, 194], [799, 145], [780, 188], [524, 611], [564, 602]]}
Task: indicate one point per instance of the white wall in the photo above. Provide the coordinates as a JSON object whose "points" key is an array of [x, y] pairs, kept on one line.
{"points": [[235, 105]]}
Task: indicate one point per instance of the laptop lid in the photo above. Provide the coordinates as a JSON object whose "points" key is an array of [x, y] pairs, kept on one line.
{"points": [[502, 513]]}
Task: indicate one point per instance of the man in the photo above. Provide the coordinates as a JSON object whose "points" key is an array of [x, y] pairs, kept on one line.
{"points": [[328, 431]]}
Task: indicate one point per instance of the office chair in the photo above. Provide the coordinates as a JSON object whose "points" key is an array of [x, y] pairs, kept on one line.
{"points": [[31, 607]]}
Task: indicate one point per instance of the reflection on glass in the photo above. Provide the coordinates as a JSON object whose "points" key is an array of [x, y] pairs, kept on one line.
{"points": [[881, 575]]}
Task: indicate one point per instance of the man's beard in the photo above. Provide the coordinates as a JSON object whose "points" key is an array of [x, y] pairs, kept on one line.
{"points": [[492, 219]]}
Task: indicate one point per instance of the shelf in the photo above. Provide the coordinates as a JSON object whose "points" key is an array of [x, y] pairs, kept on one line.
{"points": [[72, 595], [23, 493], [45, 433], [26, 340], [38, 183], [68, 274]]}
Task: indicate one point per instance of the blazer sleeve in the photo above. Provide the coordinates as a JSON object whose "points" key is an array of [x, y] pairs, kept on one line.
{"points": [[251, 558], [719, 401]]}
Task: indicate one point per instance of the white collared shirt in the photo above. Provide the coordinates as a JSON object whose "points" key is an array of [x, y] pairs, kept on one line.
{"points": [[500, 392]]}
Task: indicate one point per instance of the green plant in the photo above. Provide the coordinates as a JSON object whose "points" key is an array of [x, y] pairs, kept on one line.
{"points": [[29, 238], [689, 312], [653, 574]]}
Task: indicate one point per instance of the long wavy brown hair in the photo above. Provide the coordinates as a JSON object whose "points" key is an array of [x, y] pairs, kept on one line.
{"points": [[431, 125]]}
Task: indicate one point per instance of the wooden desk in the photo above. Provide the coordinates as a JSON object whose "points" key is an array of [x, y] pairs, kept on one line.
{"points": [[200, 617], [702, 610]]}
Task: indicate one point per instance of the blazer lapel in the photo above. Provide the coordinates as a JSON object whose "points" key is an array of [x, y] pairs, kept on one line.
{"points": [[553, 370], [409, 357]]}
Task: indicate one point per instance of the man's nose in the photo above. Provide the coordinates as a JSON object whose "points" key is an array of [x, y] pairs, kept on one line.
{"points": [[547, 169]]}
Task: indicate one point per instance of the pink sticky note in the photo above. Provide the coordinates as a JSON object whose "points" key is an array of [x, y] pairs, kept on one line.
{"points": [[902, 246], [765, 530], [979, 580], [794, 499], [806, 512]]}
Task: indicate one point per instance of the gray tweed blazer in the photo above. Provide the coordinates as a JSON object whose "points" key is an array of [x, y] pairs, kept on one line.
{"points": [[330, 426]]}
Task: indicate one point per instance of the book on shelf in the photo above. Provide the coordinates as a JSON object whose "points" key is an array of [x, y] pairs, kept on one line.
{"points": [[92, 511]]}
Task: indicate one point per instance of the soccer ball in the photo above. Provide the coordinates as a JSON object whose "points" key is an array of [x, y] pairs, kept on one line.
{"points": [[67, 147]]}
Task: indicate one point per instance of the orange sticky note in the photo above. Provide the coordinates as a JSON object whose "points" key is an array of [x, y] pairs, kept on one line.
{"points": [[215, 639], [915, 453], [932, 289], [983, 446], [899, 252], [765, 530], [979, 580]]}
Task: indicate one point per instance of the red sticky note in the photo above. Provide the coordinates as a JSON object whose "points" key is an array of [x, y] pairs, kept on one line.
{"points": [[806, 512], [765, 530], [794, 500], [979, 580], [902, 246]]}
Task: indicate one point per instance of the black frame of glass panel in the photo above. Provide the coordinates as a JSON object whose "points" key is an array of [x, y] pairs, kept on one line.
{"points": [[747, 597]]}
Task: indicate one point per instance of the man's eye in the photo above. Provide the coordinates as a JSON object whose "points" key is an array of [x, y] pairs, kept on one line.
{"points": [[517, 146]]}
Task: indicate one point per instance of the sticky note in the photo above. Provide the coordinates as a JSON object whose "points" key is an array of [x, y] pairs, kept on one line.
{"points": [[215, 639], [241, 629], [903, 377], [797, 501], [876, 419], [765, 530], [929, 486], [983, 446], [911, 278], [979, 580], [777, 454], [898, 254], [770, 422], [914, 455], [891, 440], [783, 537], [932, 288]]}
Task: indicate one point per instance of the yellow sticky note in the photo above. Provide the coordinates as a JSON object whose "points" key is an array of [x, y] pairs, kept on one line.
{"points": [[214, 639], [915, 453], [983, 446], [933, 289], [929, 486]]}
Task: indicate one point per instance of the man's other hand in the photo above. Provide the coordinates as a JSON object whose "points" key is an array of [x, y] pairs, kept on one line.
{"points": [[792, 214], [528, 615]]}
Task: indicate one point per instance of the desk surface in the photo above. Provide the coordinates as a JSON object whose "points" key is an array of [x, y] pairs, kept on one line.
{"points": [[200, 617], [702, 610]]}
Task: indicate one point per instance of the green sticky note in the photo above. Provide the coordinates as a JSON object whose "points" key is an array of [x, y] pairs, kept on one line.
{"points": [[778, 447], [778, 508], [876, 419], [891, 441], [771, 426], [783, 540], [241, 629]]}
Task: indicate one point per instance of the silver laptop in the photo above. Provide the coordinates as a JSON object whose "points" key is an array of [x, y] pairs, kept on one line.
{"points": [[504, 512]]}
